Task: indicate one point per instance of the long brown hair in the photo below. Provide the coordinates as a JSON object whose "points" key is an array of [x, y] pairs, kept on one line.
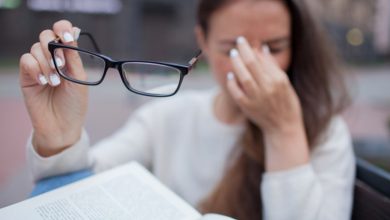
{"points": [[316, 77]]}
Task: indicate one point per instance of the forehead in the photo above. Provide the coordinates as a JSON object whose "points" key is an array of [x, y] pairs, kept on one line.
{"points": [[258, 18]]}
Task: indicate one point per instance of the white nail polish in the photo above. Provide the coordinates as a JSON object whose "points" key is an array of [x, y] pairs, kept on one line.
{"points": [[76, 33], [42, 79], [241, 40], [233, 53], [68, 37], [58, 62], [55, 80], [230, 76], [266, 49]]}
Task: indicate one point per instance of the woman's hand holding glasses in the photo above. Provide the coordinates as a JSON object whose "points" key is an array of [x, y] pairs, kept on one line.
{"points": [[57, 107], [55, 74]]}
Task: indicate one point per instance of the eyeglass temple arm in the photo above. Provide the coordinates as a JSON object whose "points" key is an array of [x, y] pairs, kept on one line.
{"points": [[95, 46], [194, 60]]}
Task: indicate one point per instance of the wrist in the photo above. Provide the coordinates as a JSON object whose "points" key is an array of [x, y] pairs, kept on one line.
{"points": [[47, 146], [286, 130], [286, 148]]}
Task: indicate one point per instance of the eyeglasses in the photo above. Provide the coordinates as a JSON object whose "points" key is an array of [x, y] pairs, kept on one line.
{"points": [[148, 78]]}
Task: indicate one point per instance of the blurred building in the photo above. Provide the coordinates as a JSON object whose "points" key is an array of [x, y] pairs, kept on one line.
{"points": [[361, 27], [163, 29], [142, 29]]}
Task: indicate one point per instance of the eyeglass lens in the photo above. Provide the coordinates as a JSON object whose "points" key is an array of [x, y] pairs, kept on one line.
{"points": [[150, 78]]}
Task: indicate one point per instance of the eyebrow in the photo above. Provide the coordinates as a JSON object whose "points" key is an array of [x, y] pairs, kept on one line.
{"points": [[271, 41], [228, 42], [277, 40]]}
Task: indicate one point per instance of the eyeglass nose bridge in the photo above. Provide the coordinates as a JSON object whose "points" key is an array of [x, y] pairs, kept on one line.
{"points": [[112, 63], [117, 65]]}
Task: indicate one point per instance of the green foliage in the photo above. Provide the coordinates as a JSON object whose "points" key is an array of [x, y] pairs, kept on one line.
{"points": [[10, 4]]}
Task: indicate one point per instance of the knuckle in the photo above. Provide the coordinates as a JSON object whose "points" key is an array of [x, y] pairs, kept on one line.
{"points": [[27, 62], [247, 83], [241, 100], [44, 33], [62, 24], [251, 62], [282, 81], [24, 59], [269, 91], [35, 47]]}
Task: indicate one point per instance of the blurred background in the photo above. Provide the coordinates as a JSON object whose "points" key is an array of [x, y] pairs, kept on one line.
{"points": [[162, 30]]}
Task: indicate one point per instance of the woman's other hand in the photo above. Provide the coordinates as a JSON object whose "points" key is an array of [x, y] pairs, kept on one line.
{"points": [[265, 95]]}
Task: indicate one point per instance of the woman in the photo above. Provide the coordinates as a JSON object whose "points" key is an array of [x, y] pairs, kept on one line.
{"points": [[268, 143]]}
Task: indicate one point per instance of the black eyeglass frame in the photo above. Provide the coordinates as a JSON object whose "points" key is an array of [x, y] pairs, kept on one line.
{"points": [[111, 63]]}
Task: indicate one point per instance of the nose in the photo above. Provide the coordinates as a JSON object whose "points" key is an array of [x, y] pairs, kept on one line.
{"points": [[255, 44]]}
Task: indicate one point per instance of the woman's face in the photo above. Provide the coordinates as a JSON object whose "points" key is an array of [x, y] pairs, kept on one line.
{"points": [[260, 22]]}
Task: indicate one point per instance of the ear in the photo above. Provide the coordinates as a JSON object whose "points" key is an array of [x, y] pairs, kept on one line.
{"points": [[201, 39]]}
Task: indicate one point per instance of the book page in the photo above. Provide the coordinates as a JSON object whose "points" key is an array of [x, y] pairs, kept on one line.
{"points": [[126, 192]]}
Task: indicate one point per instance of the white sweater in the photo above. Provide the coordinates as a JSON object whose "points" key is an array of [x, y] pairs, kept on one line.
{"points": [[180, 140]]}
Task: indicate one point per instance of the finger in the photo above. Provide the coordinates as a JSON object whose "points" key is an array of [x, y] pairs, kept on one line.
{"points": [[76, 33], [265, 54], [45, 37], [235, 91], [30, 72], [250, 60], [244, 77], [64, 29], [48, 72], [269, 63], [266, 51], [69, 34], [277, 76]]}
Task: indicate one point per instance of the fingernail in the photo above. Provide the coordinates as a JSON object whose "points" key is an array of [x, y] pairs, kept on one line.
{"points": [[55, 80], [42, 79], [241, 40], [230, 76], [233, 53], [266, 49], [77, 33], [68, 37], [58, 62]]}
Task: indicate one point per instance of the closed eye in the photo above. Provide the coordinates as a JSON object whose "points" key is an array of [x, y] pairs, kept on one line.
{"points": [[278, 45], [276, 50], [226, 52]]}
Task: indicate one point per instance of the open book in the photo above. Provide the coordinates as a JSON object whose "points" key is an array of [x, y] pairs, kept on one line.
{"points": [[127, 192]]}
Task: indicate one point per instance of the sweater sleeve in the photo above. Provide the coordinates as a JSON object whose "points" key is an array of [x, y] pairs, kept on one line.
{"points": [[71, 159], [131, 142], [322, 189]]}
